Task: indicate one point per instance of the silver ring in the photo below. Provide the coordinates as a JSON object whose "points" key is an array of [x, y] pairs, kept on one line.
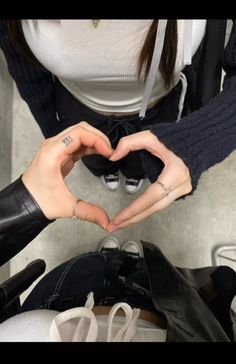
{"points": [[166, 189], [74, 217]]}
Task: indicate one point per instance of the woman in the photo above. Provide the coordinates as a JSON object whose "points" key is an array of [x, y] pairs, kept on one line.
{"points": [[80, 299], [189, 147], [102, 71]]}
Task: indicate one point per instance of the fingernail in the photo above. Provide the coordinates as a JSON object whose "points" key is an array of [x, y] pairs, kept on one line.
{"points": [[103, 227]]}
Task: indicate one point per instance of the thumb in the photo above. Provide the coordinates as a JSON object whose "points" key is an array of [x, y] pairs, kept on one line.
{"points": [[92, 213], [123, 148], [132, 143]]}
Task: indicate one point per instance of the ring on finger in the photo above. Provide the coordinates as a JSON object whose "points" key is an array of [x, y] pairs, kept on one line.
{"points": [[74, 217]]}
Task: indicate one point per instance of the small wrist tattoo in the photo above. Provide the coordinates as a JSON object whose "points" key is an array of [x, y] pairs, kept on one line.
{"points": [[67, 140]]}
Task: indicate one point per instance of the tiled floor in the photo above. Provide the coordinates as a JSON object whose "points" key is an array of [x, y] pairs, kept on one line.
{"points": [[186, 231]]}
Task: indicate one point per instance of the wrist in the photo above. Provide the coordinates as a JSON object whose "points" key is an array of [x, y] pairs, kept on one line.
{"points": [[37, 194], [28, 201]]}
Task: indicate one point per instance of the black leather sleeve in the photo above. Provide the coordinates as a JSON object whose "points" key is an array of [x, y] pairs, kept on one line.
{"points": [[21, 219]]}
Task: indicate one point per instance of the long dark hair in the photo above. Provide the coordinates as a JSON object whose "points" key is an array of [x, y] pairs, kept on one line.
{"points": [[167, 63]]}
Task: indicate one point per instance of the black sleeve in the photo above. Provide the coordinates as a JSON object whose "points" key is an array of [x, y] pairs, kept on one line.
{"points": [[35, 85], [206, 136], [21, 219]]}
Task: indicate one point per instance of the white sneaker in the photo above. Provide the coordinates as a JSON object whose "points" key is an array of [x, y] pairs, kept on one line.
{"points": [[132, 185], [133, 249], [111, 181], [108, 244]]}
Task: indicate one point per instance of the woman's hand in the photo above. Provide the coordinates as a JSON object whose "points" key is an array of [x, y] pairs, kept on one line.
{"points": [[173, 182], [45, 176]]}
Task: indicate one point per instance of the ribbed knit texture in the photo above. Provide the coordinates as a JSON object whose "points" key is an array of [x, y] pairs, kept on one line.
{"points": [[206, 136]]}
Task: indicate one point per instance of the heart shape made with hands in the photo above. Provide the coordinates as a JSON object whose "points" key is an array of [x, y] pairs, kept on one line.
{"points": [[173, 182], [45, 177]]}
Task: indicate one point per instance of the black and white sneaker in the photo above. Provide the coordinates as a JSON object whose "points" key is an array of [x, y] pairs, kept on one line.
{"points": [[110, 243], [111, 181], [133, 249], [132, 185]]}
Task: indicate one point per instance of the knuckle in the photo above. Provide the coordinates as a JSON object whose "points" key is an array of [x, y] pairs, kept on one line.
{"points": [[106, 138], [43, 151], [44, 143], [83, 123], [81, 127], [186, 174], [152, 137], [188, 186], [123, 142]]}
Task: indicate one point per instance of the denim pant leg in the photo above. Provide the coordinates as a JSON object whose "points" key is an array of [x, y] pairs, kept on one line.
{"points": [[68, 284]]}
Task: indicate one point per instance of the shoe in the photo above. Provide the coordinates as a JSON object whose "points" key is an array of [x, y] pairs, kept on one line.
{"points": [[110, 243], [132, 185], [133, 249], [111, 181]]}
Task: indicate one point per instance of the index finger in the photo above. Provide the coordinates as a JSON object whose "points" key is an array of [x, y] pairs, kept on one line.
{"points": [[70, 142], [85, 125], [95, 130], [151, 196], [163, 203]]}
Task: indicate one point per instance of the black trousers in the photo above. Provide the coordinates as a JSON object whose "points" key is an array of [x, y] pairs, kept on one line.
{"points": [[70, 111], [112, 277]]}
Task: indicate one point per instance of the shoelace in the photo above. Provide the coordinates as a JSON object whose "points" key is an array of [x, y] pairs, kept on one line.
{"points": [[125, 333], [112, 177], [132, 181]]}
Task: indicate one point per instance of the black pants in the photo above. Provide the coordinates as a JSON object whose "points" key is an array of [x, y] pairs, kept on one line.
{"points": [[112, 277], [71, 111]]}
